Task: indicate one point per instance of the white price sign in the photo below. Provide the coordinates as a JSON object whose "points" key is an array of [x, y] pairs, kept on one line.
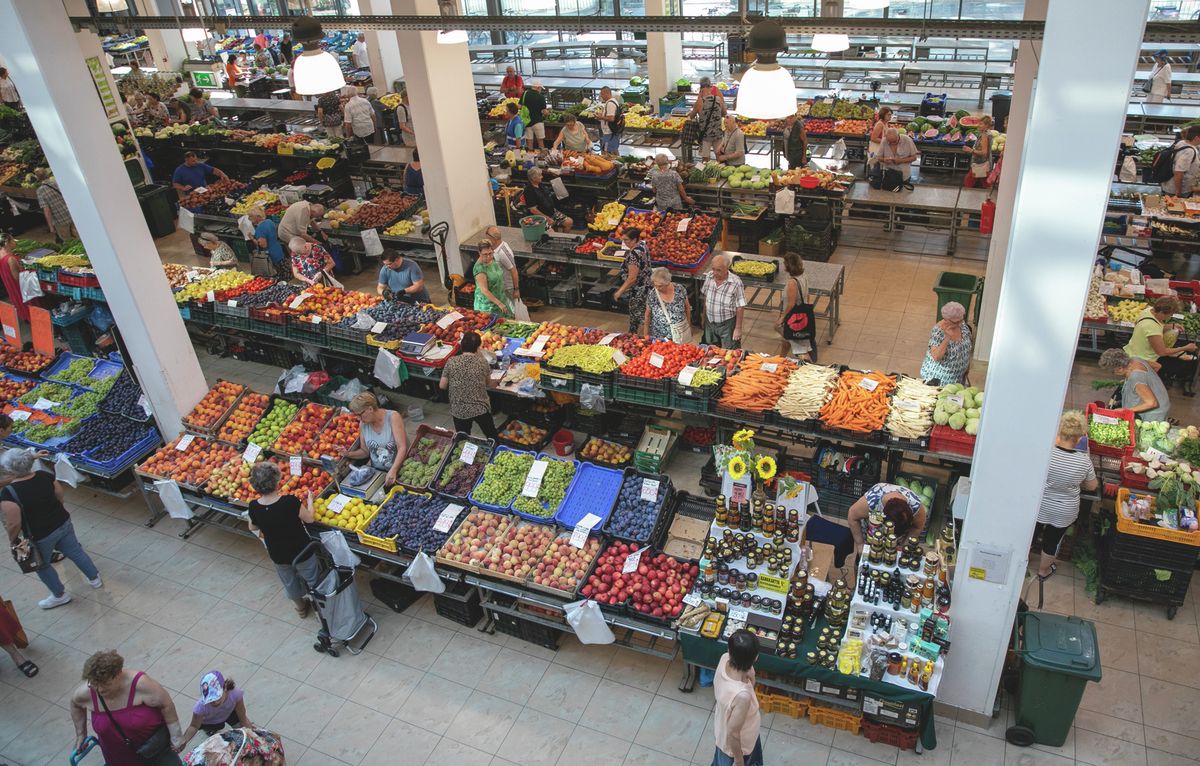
{"points": [[295, 466], [231, 303], [184, 442], [1107, 420], [619, 358], [656, 360], [686, 375], [608, 339], [449, 319], [692, 599], [869, 383], [10, 331], [583, 529], [301, 298], [539, 343], [469, 450], [956, 398], [683, 225], [1156, 455], [44, 404], [739, 615], [24, 415], [144, 403], [650, 490], [212, 296], [902, 404], [338, 502], [447, 517], [632, 560], [252, 452], [378, 327], [533, 482], [316, 320]]}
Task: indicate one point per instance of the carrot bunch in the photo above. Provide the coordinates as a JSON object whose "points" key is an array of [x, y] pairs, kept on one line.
{"points": [[758, 384], [854, 406]]}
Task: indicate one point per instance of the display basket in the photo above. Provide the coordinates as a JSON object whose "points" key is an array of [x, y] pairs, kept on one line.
{"points": [[72, 279], [665, 620], [482, 456], [1129, 528], [656, 385], [602, 379], [459, 603], [201, 311], [305, 331], [756, 417], [883, 733], [225, 418], [1143, 581], [656, 399], [611, 609], [1129, 478], [550, 518], [808, 425], [593, 490], [709, 392], [425, 430], [429, 367], [512, 529], [564, 538], [629, 212], [839, 720], [776, 702], [604, 463], [503, 509], [561, 379], [1095, 412], [946, 439], [301, 403], [388, 544], [517, 446], [102, 369], [222, 308], [210, 431], [268, 323], [137, 450], [391, 345], [667, 495]]}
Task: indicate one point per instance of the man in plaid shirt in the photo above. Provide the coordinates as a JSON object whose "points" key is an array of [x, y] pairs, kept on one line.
{"points": [[50, 200], [724, 305]]}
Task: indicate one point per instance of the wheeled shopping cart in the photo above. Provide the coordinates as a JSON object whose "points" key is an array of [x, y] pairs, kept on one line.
{"points": [[335, 598]]}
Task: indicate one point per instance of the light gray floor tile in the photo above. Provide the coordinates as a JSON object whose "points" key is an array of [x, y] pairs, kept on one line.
{"points": [[672, 727], [563, 692], [536, 739], [483, 722], [617, 710]]}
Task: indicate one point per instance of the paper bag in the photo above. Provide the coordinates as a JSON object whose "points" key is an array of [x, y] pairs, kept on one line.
{"points": [[423, 576], [588, 623]]}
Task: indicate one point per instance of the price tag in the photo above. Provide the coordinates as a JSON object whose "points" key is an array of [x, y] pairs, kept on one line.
{"points": [[200, 189], [686, 375], [295, 465], [449, 319], [656, 360], [316, 319], [1156, 455], [10, 331], [533, 482], [447, 517], [770, 367], [827, 101], [650, 490], [295, 304], [1107, 420], [956, 398], [619, 358], [24, 415], [469, 450], [608, 339], [738, 614], [868, 383], [338, 502], [683, 225], [902, 404], [183, 443], [583, 529], [44, 404], [229, 201], [231, 303], [773, 584], [378, 327], [1106, 288], [144, 403], [631, 561], [1136, 289], [252, 452], [692, 599], [212, 297], [539, 343]]}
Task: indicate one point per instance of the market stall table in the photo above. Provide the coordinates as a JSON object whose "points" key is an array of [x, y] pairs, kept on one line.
{"points": [[495, 53], [990, 75], [926, 206], [704, 50]]}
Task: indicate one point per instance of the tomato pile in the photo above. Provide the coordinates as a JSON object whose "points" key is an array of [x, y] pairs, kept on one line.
{"points": [[253, 286], [590, 245], [675, 357], [819, 125]]}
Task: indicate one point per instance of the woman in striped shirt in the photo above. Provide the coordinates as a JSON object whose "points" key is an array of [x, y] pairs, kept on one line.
{"points": [[1069, 470]]}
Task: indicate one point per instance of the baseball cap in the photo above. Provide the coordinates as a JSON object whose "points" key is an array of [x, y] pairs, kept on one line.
{"points": [[212, 686]]}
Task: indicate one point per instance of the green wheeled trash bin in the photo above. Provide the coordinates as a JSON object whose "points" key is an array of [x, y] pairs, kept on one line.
{"points": [[951, 286], [1059, 655]]}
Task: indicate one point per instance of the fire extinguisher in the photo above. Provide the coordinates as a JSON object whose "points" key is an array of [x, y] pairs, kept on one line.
{"points": [[987, 216]]}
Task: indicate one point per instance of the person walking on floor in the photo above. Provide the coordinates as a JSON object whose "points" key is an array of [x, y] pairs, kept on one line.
{"points": [[948, 354], [221, 704], [709, 113], [535, 102], [668, 309], [54, 207], [13, 639], [724, 298], [610, 132], [279, 521], [359, 116], [133, 716], [635, 277], [794, 294], [31, 501], [382, 439], [466, 378], [1158, 84], [736, 719], [981, 157], [1069, 471]]}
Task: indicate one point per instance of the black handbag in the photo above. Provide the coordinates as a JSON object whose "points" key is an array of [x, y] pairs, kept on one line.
{"points": [[690, 135], [157, 744], [800, 323], [24, 551]]}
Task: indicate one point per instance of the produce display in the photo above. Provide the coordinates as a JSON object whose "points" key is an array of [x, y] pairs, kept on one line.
{"points": [[516, 551], [913, 407], [352, 515], [29, 362], [12, 388], [644, 220], [410, 518], [594, 359], [808, 389], [221, 280], [230, 480], [76, 372], [108, 436], [79, 407], [1126, 311], [241, 422], [192, 465], [381, 210], [859, 402], [423, 459], [474, 537], [214, 192], [511, 329], [503, 478], [603, 451], [552, 491], [608, 217], [959, 408], [1103, 431], [457, 478], [124, 398], [299, 435], [340, 434], [520, 432], [749, 267], [633, 517], [661, 359], [255, 285], [563, 566], [311, 479], [471, 320], [558, 335], [331, 304], [656, 587], [53, 392], [758, 384], [271, 425]]}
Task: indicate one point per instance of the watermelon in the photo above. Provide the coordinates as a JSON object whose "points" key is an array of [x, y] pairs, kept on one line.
{"points": [[952, 122], [969, 122], [962, 113], [931, 133], [956, 136]]}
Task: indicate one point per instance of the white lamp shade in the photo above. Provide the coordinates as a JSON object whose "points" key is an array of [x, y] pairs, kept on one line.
{"points": [[110, 6], [830, 43], [195, 34], [317, 72], [766, 92], [452, 37]]}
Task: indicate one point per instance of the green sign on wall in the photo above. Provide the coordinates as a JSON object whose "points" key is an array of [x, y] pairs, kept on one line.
{"points": [[204, 79]]}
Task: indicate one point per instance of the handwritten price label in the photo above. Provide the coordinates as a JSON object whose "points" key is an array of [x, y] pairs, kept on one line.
{"points": [[869, 383], [301, 298], [212, 297], [231, 303], [337, 503], [683, 225], [583, 529], [650, 490], [469, 450], [608, 339], [770, 367], [449, 319], [378, 327], [739, 615], [185, 441], [692, 599], [908, 406], [533, 482], [24, 415], [295, 467], [656, 360], [632, 560], [447, 517], [252, 452]]}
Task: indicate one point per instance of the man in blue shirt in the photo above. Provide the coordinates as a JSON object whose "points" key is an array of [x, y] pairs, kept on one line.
{"points": [[514, 131], [191, 175], [266, 236], [401, 278]]}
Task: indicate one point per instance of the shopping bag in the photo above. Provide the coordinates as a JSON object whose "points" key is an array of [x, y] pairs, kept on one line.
{"points": [[172, 499], [370, 240], [520, 311], [1128, 175], [591, 397], [589, 625], [65, 472], [31, 286], [560, 188], [423, 576], [292, 381], [785, 201], [387, 368], [187, 221], [246, 227], [335, 542]]}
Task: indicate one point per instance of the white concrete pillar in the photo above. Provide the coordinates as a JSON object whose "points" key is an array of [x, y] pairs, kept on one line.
{"points": [[1046, 274], [664, 53], [441, 93], [60, 97], [166, 45], [383, 48], [1028, 53]]}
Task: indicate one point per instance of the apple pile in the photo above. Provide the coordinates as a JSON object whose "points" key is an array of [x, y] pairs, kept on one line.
{"points": [[231, 481], [214, 405], [655, 588], [646, 221], [192, 465], [244, 418], [700, 228], [677, 249], [563, 566], [471, 320], [470, 543], [297, 437], [340, 434], [272, 424], [311, 479], [517, 550]]}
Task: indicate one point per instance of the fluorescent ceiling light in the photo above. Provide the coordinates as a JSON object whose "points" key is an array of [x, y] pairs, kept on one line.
{"points": [[766, 92], [111, 6], [830, 43], [317, 72], [452, 37]]}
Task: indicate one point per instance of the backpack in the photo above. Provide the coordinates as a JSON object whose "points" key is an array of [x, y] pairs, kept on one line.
{"points": [[618, 123], [1162, 167]]}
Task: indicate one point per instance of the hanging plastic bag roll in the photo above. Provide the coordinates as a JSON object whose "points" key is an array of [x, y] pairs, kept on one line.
{"points": [[585, 619], [172, 499], [31, 286], [387, 368], [423, 575], [65, 472], [785, 201]]}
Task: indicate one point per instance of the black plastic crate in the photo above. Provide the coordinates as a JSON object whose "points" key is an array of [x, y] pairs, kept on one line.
{"points": [[1162, 554], [460, 603], [542, 635], [658, 399], [1142, 579], [657, 385], [506, 623]]}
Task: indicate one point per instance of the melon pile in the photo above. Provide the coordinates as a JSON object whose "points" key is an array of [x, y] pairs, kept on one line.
{"points": [[960, 128]]}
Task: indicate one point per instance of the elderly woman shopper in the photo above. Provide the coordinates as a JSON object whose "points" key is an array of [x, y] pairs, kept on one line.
{"points": [[489, 283], [1142, 391], [466, 378], [329, 113], [732, 148], [795, 142], [949, 353], [266, 238], [220, 254], [279, 522], [381, 440], [635, 277], [669, 193], [1153, 341], [311, 263], [724, 298], [1069, 470], [668, 309], [573, 136], [31, 502], [131, 714]]}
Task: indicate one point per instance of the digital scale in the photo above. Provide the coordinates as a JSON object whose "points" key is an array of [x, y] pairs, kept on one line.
{"points": [[416, 344]]}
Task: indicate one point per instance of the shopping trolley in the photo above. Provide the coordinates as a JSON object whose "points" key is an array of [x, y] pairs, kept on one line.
{"points": [[335, 598], [89, 743]]}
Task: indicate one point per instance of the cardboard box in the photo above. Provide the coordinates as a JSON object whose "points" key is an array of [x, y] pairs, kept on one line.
{"points": [[821, 566]]}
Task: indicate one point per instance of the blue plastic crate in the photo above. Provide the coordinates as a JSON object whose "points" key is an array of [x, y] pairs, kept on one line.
{"points": [[594, 490], [549, 519], [140, 449], [486, 506], [102, 369]]}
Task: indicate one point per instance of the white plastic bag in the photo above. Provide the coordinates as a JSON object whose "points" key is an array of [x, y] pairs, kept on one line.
{"points": [[335, 543], [292, 381], [363, 321], [246, 228], [187, 221], [591, 396], [785, 201], [351, 389], [172, 499], [520, 311], [387, 368], [587, 622], [31, 286], [65, 472], [560, 188], [837, 151], [371, 243], [423, 576], [1129, 172]]}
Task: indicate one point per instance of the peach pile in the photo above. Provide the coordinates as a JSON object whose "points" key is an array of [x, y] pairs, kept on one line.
{"points": [[472, 540], [301, 434], [517, 550], [563, 566], [340, 434], [214, 405], [244, 418], [192, 465]]}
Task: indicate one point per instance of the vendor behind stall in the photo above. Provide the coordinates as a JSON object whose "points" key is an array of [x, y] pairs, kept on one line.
{"points": [[899, 505], [541, 200], [1143, 392], [573, 137], [401, 279], [1153, 341], [191, 175]]}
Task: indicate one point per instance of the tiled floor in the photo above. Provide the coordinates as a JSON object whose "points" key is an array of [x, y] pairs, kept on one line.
{"points": [[430, 691]]}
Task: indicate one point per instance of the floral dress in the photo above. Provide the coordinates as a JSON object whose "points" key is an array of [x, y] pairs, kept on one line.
{"points": [[311, 263], [660, 323], [331, 107], [954, 363]]}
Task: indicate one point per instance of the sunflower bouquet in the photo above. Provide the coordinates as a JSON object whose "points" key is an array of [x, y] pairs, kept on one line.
{"points": [[739, 459]]}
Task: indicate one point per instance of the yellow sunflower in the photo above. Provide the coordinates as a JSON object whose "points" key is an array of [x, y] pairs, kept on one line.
{"points": [[765, 467], [737, 467], [741, 439]]}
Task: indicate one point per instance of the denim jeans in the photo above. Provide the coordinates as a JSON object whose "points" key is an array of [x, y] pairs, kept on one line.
{"points": [[754, 759], [63, 539], [610, 143]]}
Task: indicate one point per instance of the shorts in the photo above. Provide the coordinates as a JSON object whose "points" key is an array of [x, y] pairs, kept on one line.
{"points": [[754, 759], [536, 130], [1051, 537]]}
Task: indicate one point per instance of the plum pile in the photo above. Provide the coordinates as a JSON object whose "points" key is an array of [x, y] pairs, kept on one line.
{"points": [[457, 477], [393, 311], [110, 435], [123, 399], [411, 518], [276, 294], [632, 517]]}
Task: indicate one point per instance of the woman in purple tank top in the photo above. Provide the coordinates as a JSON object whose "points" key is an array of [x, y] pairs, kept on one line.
{"points": [[127, 710]]}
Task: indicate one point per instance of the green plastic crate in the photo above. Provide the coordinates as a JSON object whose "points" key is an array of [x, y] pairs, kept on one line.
{"points": [[640, 396]]}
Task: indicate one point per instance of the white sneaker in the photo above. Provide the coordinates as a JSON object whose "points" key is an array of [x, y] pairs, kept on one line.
{"points": [[52, 601], [97, 583]]}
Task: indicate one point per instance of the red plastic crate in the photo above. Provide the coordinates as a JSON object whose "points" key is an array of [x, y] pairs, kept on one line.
{"points": [[946, 439], [890, 735], [1093, 410], [1128, 478], [78, 280]]}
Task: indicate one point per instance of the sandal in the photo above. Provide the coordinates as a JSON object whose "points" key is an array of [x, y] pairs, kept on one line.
{"points": [[28, 668], [1053, 569]]}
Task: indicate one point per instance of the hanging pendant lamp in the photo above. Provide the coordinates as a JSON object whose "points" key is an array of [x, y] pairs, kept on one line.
{"points": [[766, 91], [315, 71]]}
